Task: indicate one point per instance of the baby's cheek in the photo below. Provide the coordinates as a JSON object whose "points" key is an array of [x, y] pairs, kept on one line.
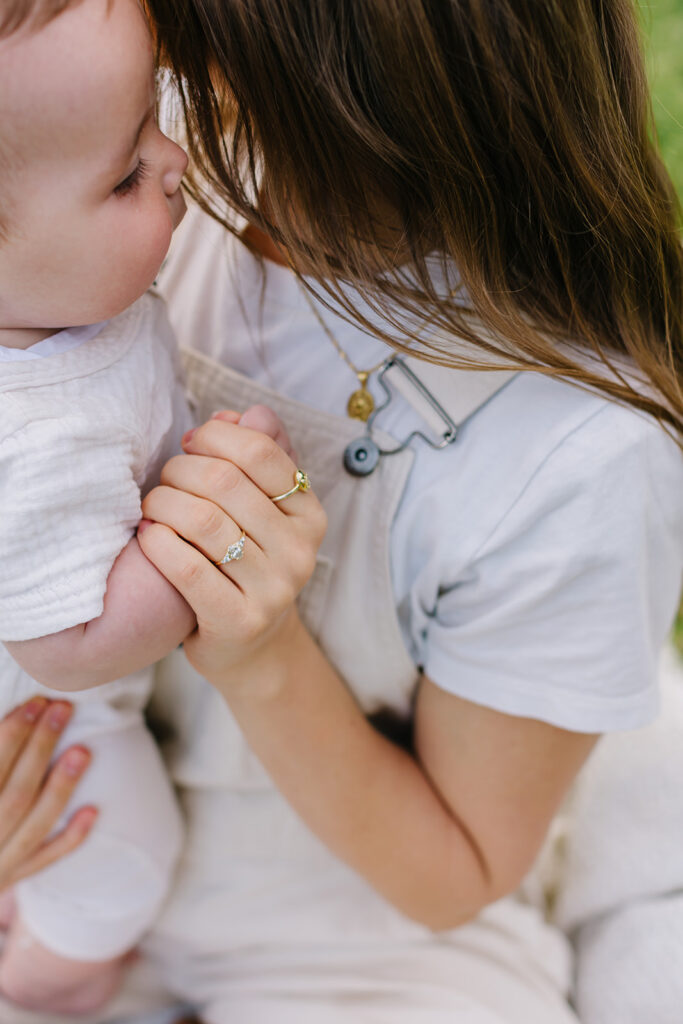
{"points": [[148, 253], [158, 243]]}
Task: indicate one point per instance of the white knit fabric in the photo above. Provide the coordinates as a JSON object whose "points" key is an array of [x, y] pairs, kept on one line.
{"points": [[84, 430], [81, 433]]}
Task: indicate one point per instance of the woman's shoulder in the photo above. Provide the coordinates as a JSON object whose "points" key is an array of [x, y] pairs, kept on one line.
{"points": [[578, 439], [541, 425], [544, 451], [559, 538]]}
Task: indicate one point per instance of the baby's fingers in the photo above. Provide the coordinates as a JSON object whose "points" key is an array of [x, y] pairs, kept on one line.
{"points": [[69, 839]]}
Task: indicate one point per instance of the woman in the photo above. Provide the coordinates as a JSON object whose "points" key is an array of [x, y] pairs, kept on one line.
{"points": [[477, 613]]}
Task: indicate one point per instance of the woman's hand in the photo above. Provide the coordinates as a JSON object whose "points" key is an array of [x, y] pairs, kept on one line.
{"points": [[33, 795], [207, 497]]}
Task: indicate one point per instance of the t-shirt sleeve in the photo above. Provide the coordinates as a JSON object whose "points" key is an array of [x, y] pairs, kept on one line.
{"points": [[561, 614], [70, 504]]}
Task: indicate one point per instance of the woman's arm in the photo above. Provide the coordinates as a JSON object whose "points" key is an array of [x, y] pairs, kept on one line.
{"points": [[440, 834]]}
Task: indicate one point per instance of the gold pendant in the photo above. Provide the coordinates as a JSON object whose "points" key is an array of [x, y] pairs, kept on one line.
{"points": [[360, 405]]}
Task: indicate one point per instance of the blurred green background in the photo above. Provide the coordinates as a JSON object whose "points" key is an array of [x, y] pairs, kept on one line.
{"points": [[663, 24]]}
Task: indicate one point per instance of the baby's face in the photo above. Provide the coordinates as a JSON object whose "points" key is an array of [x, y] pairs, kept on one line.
{"points": [[92, 194]]}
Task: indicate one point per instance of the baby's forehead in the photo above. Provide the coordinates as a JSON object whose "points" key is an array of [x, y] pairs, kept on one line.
{"points": [[67, 86]]}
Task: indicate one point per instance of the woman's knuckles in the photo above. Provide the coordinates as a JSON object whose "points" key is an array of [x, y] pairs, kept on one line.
{"points": [[171, 471], [211, 438], [14, 803], [221, 478], [209, 522], [189, 572], [262, 449]]}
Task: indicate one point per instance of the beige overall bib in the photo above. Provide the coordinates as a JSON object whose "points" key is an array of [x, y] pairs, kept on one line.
{"points": [[264, 924]]}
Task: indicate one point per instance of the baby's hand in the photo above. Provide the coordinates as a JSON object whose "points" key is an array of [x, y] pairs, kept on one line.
{"points": [[263, 419]]}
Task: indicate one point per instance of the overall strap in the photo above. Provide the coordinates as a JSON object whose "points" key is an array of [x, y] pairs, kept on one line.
{"points": [[460, 393]]}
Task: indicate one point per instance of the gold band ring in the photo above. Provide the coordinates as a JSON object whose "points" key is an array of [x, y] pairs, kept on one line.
{"points": [[301, 483], [234, 552]]}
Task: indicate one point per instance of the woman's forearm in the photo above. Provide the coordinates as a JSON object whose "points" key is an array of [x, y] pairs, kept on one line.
{"points": [[366, 799]]}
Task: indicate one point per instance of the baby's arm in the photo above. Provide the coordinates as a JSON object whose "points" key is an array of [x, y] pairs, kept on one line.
{"points": [[144, 616]]}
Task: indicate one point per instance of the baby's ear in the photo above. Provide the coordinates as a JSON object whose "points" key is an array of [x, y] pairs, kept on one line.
{"points": [[263, 419]]}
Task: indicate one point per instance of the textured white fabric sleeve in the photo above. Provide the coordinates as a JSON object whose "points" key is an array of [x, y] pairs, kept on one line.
{"points": [[70, 504], [562, 613]]}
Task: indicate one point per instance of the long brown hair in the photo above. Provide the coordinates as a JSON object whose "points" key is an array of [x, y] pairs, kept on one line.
{"points": [[511, 138]]}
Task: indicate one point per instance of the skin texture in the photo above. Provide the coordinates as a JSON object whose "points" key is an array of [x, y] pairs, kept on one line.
{"points": [[92, 249]]}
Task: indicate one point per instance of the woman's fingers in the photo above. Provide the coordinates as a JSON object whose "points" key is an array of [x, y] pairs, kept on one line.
{"points": [[257, 455], [202, 585], [260, 417], [225, 490], [210, 528], [71, 836], [29, 835], [15, 729], [26, 777], [223, 486]]}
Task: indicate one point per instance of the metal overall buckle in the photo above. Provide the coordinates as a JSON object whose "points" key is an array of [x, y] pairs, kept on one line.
{"points": [[362, 456]]}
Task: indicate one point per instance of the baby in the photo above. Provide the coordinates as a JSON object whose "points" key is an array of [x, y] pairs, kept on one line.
{"points": [[89, 413]]}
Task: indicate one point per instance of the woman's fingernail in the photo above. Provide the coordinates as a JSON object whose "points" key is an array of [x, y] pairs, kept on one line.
{"points": [[74, 761], [85, 818], [34, 709], [188, 437], [143, 524], [58, 715]]}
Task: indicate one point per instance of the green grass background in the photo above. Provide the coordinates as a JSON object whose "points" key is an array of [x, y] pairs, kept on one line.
{"points": [[663, 24]]}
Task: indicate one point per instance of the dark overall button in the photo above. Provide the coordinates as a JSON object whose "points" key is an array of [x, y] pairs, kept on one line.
{"points": [[361, 456]]}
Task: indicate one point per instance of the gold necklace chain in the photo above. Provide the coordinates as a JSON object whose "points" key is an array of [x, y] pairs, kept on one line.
{"points": [[361, 403]]}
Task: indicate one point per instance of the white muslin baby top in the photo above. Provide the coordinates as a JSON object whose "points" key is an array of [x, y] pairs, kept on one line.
{"points": [[86, 423], [82, 434]]}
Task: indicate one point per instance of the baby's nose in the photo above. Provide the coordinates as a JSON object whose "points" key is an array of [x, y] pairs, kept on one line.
{"points": [[176, 165]]}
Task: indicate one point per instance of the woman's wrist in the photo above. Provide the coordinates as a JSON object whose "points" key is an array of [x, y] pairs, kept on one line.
{"points": [[269, 672]]}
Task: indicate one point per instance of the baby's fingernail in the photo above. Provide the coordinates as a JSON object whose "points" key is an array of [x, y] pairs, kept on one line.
{"points": [[74, 761], [143, 524], [188, 436], [58, 715], [34, 709], [225, 414]]}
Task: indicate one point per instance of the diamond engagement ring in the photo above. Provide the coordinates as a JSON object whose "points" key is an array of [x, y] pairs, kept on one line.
{"points": [[301, 483], [234, 552]]}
